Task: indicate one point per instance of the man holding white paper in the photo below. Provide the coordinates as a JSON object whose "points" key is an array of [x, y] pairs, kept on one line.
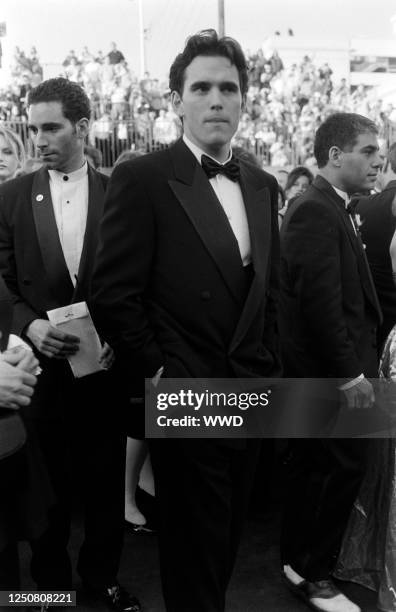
{"points": [[48, 234]]}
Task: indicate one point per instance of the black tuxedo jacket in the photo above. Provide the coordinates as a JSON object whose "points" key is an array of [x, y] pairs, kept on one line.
{"points": [[329, 307], [378, 224], [169, 288], [31, 257]]}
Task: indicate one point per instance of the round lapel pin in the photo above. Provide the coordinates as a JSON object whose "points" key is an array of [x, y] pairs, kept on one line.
{"points": [[39, 197]]}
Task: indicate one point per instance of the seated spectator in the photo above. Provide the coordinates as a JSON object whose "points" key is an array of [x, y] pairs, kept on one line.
{"points": [[164, 129], [73, 70], [71, 56], [276, 63], [115, 56]]}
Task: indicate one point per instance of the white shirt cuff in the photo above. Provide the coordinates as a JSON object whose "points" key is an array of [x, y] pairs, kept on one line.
{"points": [[351, 383]]}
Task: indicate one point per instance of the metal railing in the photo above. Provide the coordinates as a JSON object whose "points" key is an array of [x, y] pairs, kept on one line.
{"points": [[125, 135]]}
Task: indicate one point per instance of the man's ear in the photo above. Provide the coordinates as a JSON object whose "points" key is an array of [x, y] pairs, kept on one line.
{"points": [[335, 156], [82, 127], [177, 103]]}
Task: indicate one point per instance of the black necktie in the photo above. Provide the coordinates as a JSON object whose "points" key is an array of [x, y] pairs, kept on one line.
{"points": [[230, 169], [351, 208]]}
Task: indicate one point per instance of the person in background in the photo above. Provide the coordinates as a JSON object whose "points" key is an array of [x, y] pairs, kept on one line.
{"points": [[93, 156], [329, 312], [12, 154], [25, 492], [49, 223], [140, 507], [377, 225], [297, 183], [31, 165]]}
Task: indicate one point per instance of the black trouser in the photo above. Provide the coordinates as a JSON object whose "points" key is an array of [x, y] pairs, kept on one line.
{"points": [[11, 481], [202, 488], [83, 444], [325, 477]]}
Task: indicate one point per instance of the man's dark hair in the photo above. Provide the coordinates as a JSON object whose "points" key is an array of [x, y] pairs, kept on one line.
{"points": [[207, 42], [74, 100], [392, 156], [340, 130]]}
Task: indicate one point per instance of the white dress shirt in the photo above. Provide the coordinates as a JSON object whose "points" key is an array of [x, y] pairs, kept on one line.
{"points": [[69, 193], [230, 197]]}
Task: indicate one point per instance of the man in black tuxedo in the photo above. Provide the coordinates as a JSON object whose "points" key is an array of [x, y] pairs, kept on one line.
{"points": [[329, 315], [185, 287], [377, 216], [48, 234]]}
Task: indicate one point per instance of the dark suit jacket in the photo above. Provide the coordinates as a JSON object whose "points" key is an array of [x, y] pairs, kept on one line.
{"points": [[329, 308], [31, 256], [12, 433], [34, 268], [377, 229], [169, 287]]}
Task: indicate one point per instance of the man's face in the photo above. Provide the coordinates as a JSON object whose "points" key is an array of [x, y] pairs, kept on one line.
{"points": [[359, 167], [210, 104], [58, 141]]}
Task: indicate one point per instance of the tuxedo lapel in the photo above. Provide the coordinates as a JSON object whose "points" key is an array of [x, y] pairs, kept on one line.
{"points": [[195, 194], [364, 269], [258, 210], [95, 211], [48, 239]]}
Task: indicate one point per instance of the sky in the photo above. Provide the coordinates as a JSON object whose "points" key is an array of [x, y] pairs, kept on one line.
{"points": [[56, 26]]}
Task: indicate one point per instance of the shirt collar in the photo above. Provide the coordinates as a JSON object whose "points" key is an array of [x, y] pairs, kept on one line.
{"points": [[72, 177], [343, 195], [198, 152]]}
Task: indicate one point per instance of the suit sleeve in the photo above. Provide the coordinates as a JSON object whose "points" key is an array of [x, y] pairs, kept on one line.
{"points": [[23, 314], [122, 272], [271, 326], [311, 250]]}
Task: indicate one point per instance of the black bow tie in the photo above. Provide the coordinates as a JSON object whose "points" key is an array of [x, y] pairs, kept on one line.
{"points": [[230, 169]]}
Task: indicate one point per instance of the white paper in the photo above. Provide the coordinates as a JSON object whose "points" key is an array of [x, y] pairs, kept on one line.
{"points": [[75, 319]]}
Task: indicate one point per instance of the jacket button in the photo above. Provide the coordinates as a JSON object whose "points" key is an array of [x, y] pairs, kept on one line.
{"points": [[26, 281], [205, 295]]}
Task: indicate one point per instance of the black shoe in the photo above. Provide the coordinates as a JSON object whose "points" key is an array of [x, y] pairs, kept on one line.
{"points": [[322, 596], [116, 598]]}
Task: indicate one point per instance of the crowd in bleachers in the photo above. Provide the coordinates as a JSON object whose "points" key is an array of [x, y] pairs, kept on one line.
{"points": [[284, 105]]}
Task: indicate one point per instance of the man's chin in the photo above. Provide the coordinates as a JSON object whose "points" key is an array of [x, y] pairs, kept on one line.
{"points": [[49, 163]]}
